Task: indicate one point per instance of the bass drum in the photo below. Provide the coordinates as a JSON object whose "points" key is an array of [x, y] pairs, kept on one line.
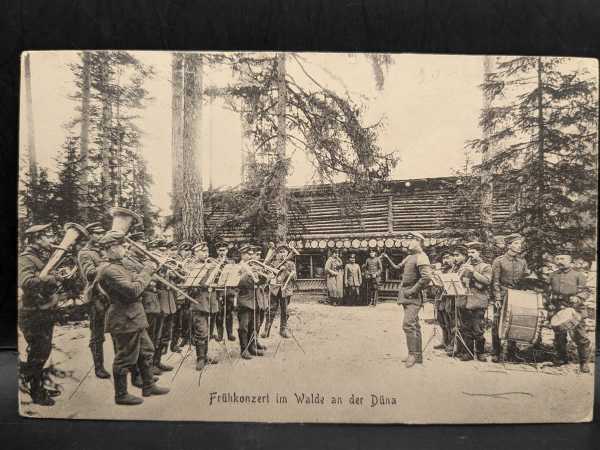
{"points": [[522, 316]]}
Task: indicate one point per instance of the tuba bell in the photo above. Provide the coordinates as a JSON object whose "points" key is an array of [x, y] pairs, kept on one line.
{"points": [[73, 232], [123, 219]]}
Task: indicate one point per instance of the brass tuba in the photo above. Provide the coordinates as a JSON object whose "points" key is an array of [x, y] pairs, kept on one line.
{"points": [[73, 232], [123, 219]]}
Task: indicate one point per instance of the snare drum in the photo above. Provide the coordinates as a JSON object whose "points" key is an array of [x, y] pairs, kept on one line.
{"points": [[566, 319], [522, 316]]}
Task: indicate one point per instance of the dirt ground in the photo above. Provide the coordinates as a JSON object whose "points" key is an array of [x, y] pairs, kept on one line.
{"points": [[345, 361]]}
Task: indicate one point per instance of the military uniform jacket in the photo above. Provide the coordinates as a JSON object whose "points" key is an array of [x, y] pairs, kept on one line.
{"points": [[416, 276], [89, 259], [36, 294], [287, 270], [479, 292], [246, 292], [124, 289], [352, 275], [207, 301], [373, 268], [150, 300], [568, 289], [507, 271]]}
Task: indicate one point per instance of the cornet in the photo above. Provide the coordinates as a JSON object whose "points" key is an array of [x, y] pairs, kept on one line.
{"points": [[266, 269]]}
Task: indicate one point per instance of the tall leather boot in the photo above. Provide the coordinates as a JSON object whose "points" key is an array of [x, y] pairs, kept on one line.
{"points": [[480, 349], [229, 326], [150, 387], [244, 350], [122, 397], [218, 323], [283, 327], [136, 377], [158, 357], [267, 331], [201, 349], [411, 359], [253, 347], [39, 395], [583, 352], [261, 320], [98, 355]]}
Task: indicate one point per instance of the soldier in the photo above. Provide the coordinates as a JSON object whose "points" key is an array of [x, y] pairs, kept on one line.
{"points": [[476, 277], [151, 303], [568, 289], [183, 328], [89, 260], [372, 270], [126, 320], [226, 300], [352, 280], [280, 292], [36, 305], [262, 304], [416, 276], [445, 309], [334, 271], [246, 302], [507, 271], [203, 312]]}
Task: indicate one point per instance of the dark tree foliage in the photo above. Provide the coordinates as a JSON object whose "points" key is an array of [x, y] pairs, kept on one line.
{"points": [[326, 127], [541, 134]]}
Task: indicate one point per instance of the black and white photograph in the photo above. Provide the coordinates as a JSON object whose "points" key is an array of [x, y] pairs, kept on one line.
{"points": [[307, 237]]}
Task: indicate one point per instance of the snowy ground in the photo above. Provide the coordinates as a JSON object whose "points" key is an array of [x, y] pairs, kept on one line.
{"points": [[339, 355]]}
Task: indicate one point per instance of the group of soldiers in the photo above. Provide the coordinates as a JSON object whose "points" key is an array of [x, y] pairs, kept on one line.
{"points": [[141, 304], [463, 326], [344, 281]]}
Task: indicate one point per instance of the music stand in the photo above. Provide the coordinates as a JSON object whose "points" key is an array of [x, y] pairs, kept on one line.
{"points": [[452, 285]]}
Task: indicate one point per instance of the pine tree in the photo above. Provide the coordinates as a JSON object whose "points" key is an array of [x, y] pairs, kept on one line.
{"points": [[541, 126], [68, 194], [328, 128]]}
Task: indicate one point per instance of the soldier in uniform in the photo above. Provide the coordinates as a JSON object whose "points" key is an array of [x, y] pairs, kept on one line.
{"points": [[126, 320], [183, 329], [372, 270], [166, 299], [204, 311], [36, 316], [568, 289], [280, 292], [415, 278], [352, 280], [507, 271], [89, 260], [476, 277], [151, 304], [445, 308], [261, 295], [226, 300], [334, 271], [246, 302]]}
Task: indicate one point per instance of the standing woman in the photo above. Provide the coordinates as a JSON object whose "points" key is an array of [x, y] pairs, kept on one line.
{"points": [[334, 272]]}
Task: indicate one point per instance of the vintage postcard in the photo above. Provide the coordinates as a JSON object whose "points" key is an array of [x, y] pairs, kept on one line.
{"points": [[307, 237]]}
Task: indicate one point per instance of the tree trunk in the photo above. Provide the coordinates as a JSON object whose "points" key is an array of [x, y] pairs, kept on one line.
{"points": [[192, 213], [487, 181], [84, 137], [540, 158], [280, 179], [30, 130], [106, 153], [176, 140]]}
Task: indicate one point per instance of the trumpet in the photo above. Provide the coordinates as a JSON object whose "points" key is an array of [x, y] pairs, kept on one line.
{"points": [[266, 269]]}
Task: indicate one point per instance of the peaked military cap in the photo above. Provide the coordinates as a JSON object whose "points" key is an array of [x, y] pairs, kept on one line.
{"points": [[246, 248], [112, 237], [185, 246], [95, 227], [460, 249], [417, 235], [475, 245], [221, 244], [446, 252], [138, 236], [512, 237], [199, 246], [37, 228]]}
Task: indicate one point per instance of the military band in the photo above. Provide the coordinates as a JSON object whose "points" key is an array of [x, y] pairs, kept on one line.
{"points": [[133, 291]]}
